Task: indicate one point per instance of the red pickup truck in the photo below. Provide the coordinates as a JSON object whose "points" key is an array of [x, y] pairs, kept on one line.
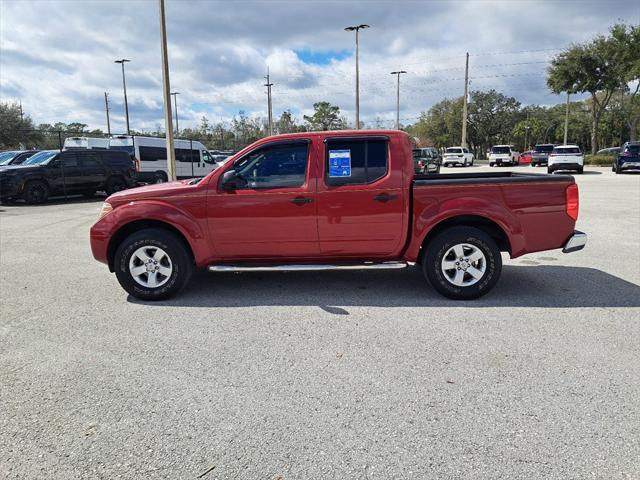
{"points": [[330, 200]]}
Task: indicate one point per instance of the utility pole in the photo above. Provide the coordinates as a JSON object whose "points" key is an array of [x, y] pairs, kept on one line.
{"points": [[171, 153], [464, 104], [175, 104], [566, 120], [398, 73], [106, 107], [124, 87], [21, 113], [357, 28], [270, 113]]}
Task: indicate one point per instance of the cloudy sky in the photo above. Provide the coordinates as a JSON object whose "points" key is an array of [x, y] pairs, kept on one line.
{"points": [[57, 55]]}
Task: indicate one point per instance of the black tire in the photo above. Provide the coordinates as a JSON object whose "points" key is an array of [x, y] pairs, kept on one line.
{"points": [[442, 243], [35, 192], [177, 252], [580, 170], [115, 184], [549, 170], [491, 164], [160, 177]]}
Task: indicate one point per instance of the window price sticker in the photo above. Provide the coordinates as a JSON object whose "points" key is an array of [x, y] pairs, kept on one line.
{"points": [[339, 163]]}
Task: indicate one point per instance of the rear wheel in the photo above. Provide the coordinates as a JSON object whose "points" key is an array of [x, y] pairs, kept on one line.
{"points": [[114, 184], [549, 170], [159, 177], [35, 192], [462, 263], [153, 264], [580, 170]]}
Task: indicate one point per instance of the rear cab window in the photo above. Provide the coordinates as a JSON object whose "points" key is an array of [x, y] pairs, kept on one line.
{"points": [[454, 150], [633, 149], [355, 161]]}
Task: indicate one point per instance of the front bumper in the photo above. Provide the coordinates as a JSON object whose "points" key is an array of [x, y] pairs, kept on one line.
{"points": [[577, 242], [629, 165]]}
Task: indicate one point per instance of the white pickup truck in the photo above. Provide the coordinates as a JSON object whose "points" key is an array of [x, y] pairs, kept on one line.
{"points": [[566, 157], [503, 155], [457, 156]]}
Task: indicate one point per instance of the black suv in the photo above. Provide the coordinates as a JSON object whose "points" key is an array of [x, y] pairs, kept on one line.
{"points": [[51, 172]]}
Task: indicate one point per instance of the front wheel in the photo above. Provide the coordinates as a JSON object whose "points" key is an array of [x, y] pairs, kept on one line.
{"points": [[549, 170], [114, 184], [35, 192], [153, 264], [462, 263]]}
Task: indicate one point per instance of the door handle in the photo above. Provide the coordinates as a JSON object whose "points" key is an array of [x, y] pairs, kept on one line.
{"points": [[384, 197], [301, 200]]}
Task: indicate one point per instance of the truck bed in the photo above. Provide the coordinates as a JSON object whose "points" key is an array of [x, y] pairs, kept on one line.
{"points": [[488, 177]]}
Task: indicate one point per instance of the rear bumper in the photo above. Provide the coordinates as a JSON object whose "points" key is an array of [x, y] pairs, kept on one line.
{"points": [[629, 165], [577, 242]]}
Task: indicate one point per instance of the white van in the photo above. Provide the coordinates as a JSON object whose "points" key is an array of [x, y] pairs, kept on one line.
{"points": [[192, 157], [84, 143]]}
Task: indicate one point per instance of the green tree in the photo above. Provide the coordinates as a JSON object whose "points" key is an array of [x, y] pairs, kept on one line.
{"points": [[599, 67], [325, 117], [441, 126], [287, 123], [16, 130], [491, 119]]}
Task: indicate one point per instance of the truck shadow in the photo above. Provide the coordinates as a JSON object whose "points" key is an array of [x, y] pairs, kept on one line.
{"points": [[545, 286]]}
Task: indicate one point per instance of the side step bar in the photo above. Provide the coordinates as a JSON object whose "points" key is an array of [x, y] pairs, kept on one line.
{"points": [[303, 267]]}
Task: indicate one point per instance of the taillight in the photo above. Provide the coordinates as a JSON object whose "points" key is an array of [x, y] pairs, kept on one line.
{"points": [[137, 166], [573, 201]]}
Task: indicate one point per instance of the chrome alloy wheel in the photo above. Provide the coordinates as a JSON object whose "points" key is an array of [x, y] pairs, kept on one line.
{"points": [[150, 266], [463, 265]]}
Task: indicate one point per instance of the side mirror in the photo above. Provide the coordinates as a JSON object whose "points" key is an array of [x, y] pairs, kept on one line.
{"points": [[232, 181]]}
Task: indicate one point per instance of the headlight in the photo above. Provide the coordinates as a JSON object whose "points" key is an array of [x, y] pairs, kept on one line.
{"points": [[106, 208]]}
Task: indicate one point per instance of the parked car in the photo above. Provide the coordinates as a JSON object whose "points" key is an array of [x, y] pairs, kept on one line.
{"points": [[426, 160], [525, 157], [15, 157], [51, 172], [333, 200], [503, 155], [540, 154], [565, 157], [628, 158], [457, 156], [192, 157]]}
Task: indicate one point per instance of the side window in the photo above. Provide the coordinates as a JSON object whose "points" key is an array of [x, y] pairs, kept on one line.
{"points": [[187, 155], [277, 166], [69, 160], [90, 160], [352, 162], [152, 154]]}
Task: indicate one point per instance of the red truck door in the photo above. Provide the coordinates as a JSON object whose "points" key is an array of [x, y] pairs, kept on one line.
{"points": [[361, 201], [272, 211]]}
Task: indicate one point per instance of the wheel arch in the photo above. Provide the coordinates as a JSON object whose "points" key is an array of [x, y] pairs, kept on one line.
{"points": [[488, 226], [137, 225]]}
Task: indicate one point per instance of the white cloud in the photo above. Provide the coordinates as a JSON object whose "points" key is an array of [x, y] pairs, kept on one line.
{"points": [[57, 56]]}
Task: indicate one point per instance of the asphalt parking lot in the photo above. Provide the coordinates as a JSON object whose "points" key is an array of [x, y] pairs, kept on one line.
{"points": [[322, 375]]}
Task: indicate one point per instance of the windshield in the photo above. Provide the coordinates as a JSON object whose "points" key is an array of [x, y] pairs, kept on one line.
{"points": [[454, 150], [635, 149], [506, 150], [41, 158], [562, 150], [6, 157]]}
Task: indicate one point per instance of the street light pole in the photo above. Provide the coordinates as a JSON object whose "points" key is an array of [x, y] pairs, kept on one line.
{"points": [[398, 73], [124, 87], [566, 120], [357, 28], [166, 90], [175, 105]]}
